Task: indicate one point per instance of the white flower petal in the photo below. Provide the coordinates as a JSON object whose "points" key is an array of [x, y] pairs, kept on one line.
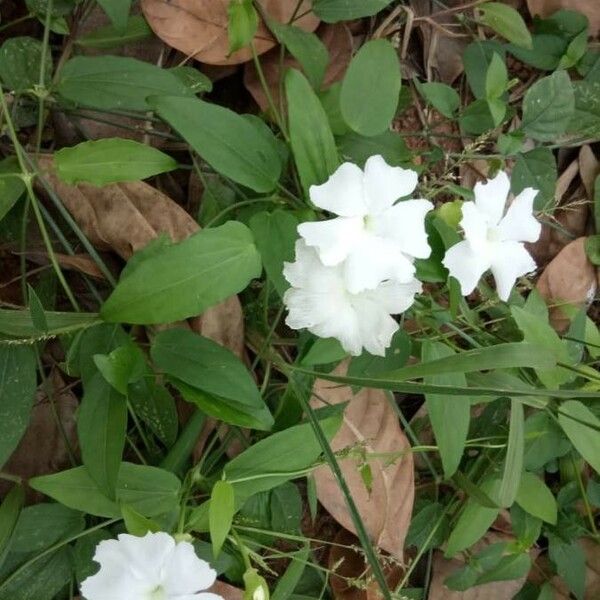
{"points": [[474, 224], [405, 224], [396, 297], [185, 572], [373, 260], [519, 224], [201, 596], [334, 239], [491, 196], [342, 194], [384, 184], [465, 265], [511, 261], [377, 329]]}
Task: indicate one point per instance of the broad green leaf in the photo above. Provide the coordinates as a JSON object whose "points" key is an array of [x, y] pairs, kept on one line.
{"points": [[586, 118], [11, 188], [496, 78], [186, 278], [225, 140], [421, 531], [286, 508], [110, 160], [477, 118], [194, 79], [545, 53], [474, 520], [358, 148], [441, 96], [20, 59], [323, 352], [525, 526], [333, 11], [306, 48], [283, 456], [548, 107], [10, 509], [396, 356], [36, 310], [197, 363], [220, 514], [449, 418], [582, 427], [185, 443], [312, 142], [536, 169], [148, 490], [19, 324], [512, 566], [477, 58], [275, 237], [137, 524], [507, 22], [101, 429], [371, 88], [18, 382], [513, 462], [544, 441], [242, 24], [124, 365], [110, 36], [569, 559], [116, 82], [535, 497], [117, 11]]}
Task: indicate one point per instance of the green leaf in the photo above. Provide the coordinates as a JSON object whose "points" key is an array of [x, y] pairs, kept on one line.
{"points": [[474, 520], [509, 567], [421, 531], [312, 142], [441, 96], [477, 58], [477, 118], [544, 441], [137, 524], [575, 418], [323, 352], [20, 59], [109, 36], [306, 48], [9, 515], [507, 22], [18, 382], [110, 160], [586, 119], [449, 419], [570, 563], [513, 463], [124, 365], [536, 169], [195, 80], [242, 24], [286, 583], [203, 365], [184, 279], [545, 54], [548, 107], [535, 497], [371, 88], [333, 11], [225, 140], [496, 78], [11, 188], [148, 490], [220, 514], [38, 316], [389, 144], [101, 428], [117, 11], [526, 527], [278, 458], [275, 237], [18, 323], [116, 82]]}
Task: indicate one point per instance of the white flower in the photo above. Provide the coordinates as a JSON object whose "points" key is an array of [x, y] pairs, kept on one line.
{"points": [[153, 567], [493, 240], [320, 302], [374, 238]]}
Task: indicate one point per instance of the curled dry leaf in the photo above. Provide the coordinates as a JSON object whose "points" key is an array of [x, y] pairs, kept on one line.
{"points": [[198, 28], [226, 591], [43, 449], [371, 423], [76, 262], [590, 8], [350, 579], [338, 41], [570, 278], [124, 217]]}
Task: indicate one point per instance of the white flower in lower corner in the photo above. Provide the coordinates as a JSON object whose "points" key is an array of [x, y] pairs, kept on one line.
{"points": [[375, 238], [153, 567], [493, 239], [320, 302]]}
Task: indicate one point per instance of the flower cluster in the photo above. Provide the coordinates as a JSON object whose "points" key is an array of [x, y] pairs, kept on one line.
{"points": [[153, 567], [354, 271]]}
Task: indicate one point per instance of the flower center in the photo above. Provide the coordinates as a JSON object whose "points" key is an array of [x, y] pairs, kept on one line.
{"points": [[369, 222], [493, 234], [158, 593]]}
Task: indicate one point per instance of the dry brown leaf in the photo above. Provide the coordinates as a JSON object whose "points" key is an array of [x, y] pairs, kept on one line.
{"points": [[42, 449], [590, 8], [589, 168], [226, 591], [350, 579], [569, 278], [76, 262], [369, 421], [198, 28], [338, 41], [124, 217]]}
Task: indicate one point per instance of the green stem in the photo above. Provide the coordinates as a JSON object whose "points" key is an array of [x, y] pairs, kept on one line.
{"points": [[42, 77]]}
